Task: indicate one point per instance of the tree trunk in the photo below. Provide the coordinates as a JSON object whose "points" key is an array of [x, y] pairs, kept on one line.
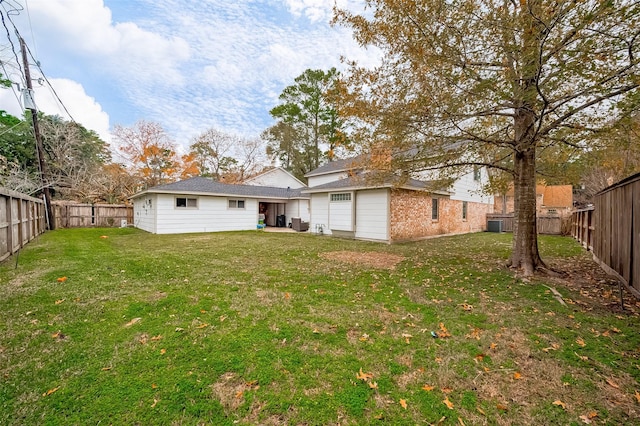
{"points": [[525, 255]]}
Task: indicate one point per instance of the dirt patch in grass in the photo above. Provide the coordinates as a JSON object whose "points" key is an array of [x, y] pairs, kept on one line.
{"points": [[370, 259]]}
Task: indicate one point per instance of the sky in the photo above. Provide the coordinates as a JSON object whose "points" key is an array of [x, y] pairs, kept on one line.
{"points": [[189, 65]]}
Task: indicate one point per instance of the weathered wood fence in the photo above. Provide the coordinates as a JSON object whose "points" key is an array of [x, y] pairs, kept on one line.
{"points": [[22, 218], [612, 231], [546, 224], [75, 215]]}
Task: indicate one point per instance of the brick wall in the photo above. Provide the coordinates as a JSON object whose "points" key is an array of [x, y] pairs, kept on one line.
{"points": [[411, 216]]}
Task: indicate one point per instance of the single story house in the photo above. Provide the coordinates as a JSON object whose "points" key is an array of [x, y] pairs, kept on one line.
{"points": [[201, 204], [344, 203]]}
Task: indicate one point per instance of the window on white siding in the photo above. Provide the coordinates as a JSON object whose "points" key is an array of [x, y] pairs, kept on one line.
{"points": [[464, 210], [236, 204], [186, 202], [434, 209], [476, 173], [341, 197]]}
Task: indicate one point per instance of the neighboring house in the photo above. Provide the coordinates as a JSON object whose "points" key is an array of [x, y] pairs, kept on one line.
{"points": [[202, 205], [550, 200], [344, 203]]}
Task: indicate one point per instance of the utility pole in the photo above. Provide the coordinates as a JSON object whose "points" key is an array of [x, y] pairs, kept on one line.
{"points": [[42, 166]]}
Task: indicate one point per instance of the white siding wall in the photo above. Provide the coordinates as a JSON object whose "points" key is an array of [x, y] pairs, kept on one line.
{"points": [[319, 213], [212, 214], [277, 178], [322, 179], [468, 189], [144, 212], [341, 215], [372, 214], [297, 208]]}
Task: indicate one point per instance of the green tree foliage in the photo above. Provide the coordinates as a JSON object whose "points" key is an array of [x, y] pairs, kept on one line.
{"points": [[494, 83], [308, 127]]}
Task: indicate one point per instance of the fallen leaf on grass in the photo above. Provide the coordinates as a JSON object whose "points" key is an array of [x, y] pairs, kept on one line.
{"points": [[481, 411], [203, 325], [493, 346], [443, 331], [106, 368], [239, 394], [428, 388], [517, 375], [461, 421], [104, 237], [612, 383], [438, 360], [163, 351], [560, 404], [502, 407], [155, 401], [287, 295], [406, 337], [403, 403], [59, 301], [466, 307], [61, 279], [156, 338], [553, 347], [581, 342], [364, 337], [50, 391], [154, 386], [379, 416], [446, 390], [637, 396], [133, 321], [448, 403], [479, 357], [587, 418], [373, 385], [364, 376], [582, 357]]}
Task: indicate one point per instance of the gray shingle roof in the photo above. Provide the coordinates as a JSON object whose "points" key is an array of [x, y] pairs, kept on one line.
{"points": [[336, 166], [202, 185]]}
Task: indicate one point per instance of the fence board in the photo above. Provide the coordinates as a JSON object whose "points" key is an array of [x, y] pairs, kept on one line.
{"points": [[545, 224], [77, 215], [612, 231], [22, 218]]}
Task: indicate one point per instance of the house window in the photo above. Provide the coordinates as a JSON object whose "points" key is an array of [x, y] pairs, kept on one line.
{"points": [[236, 204], [186, 202], [464, 210], [341, 197], [476, 173], [434, 209]]}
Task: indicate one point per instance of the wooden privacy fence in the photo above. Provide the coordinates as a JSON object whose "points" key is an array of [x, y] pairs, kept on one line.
{"points": [[74, 215], [22, 218], [546, 224], [612, 231]]}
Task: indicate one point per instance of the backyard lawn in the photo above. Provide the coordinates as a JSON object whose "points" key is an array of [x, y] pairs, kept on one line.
{"points": [[117, 326]]}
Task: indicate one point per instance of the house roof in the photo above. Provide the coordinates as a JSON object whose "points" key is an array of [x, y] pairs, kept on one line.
{"points": [[336, 166], [273, 171], [205, 186], [360, 182]]}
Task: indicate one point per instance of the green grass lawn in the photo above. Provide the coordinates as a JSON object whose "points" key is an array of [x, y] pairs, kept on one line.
{"points": [[261, 328]]}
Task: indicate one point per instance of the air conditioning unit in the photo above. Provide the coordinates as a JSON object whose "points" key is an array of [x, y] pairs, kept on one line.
{"points": [[494, 225], [123, 223]]}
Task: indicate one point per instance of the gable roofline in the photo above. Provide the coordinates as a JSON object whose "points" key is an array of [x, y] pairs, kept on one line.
{"points": [[359, 183], [342, 165], [205, 186], [272, 170]]}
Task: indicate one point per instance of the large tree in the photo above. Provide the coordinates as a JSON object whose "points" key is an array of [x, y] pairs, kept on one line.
{"points": [[493, 83], [150, 151], [308, 127]]}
